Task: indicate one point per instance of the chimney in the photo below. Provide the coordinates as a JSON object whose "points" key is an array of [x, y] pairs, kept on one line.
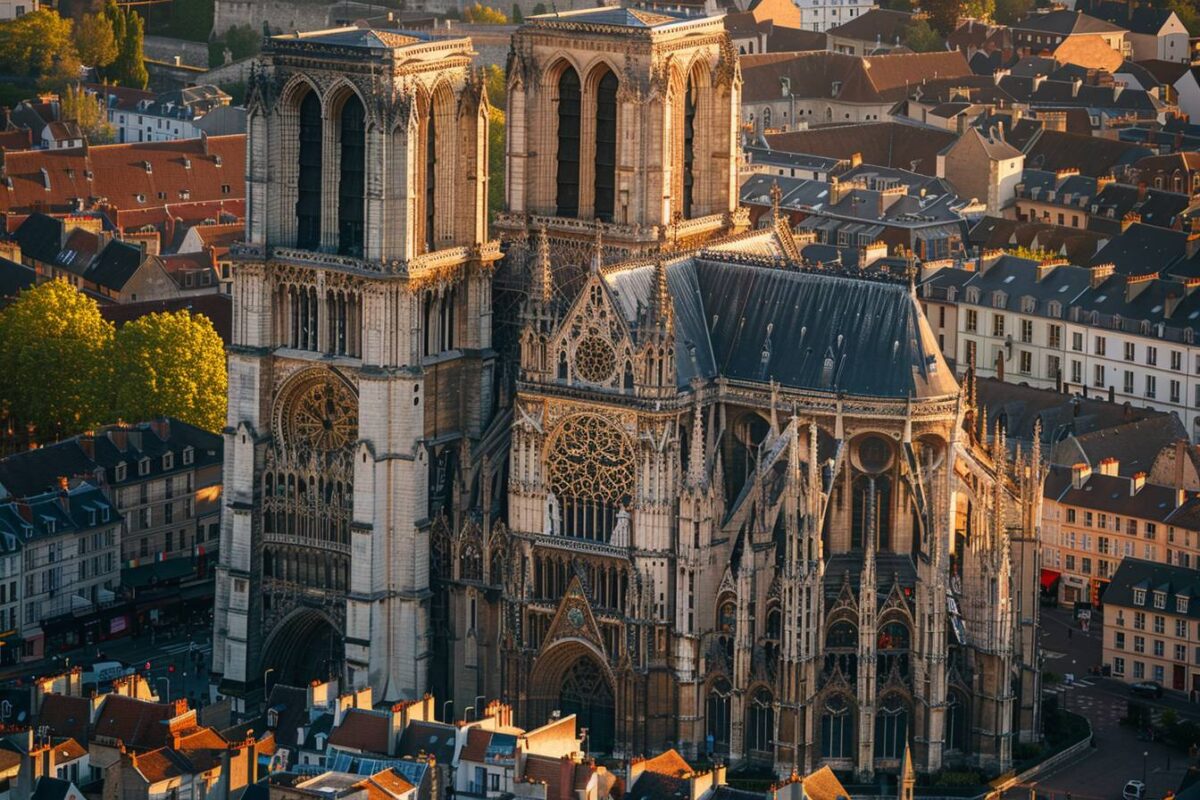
{"points": [[1100, 273], [1109, 467], [718, 774], [1079, 475], [1136, 284], [1136, 483]]}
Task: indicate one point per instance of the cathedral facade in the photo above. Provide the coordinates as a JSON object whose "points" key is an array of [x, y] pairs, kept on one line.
{"points": [[361, 362], [723, 502]]}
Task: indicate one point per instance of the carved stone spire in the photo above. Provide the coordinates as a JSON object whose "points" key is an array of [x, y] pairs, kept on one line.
{"points": [[542, 288], [662, 295], [598, 248], [695, 474]]}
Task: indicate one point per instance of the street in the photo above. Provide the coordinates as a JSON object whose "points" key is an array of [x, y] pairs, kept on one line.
{"points": [[1119, 755], [162, 651]]}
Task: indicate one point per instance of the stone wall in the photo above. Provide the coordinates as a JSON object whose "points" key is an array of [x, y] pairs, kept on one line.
{"points": [[165, 49]]}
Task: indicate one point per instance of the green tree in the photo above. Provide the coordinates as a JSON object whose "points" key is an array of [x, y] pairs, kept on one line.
{"points": [[920, 37], [540, 8], [130, 67], [1009, 11], [40, 44], [88, 112], [55, 356], [243, 41], [517, 17], [494, 82], [170, 364], [943, 14], [192, 19], [482, 14], [1188, 15], [95, 40], [496, 140]]}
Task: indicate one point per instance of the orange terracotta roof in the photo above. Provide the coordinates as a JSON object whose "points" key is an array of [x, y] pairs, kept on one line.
{"points": [[477, 743], [824, 785], [159, 765], [386, 785], [20, 139], [68, 750], [668, 763], [140, 724], [184, 170]]}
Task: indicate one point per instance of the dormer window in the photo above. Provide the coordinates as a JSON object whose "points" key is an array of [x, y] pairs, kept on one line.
{"points": [[272, 718], [144, 466], [1160, 600], [168, 460], [91, 517], [1139, 597], [1028, 305], [189, 454], [104, 513], [835, 89], [1181, 604], [28, 530], [120, 472], [973, 294], [999, 300], [149, 167], [217, 160]]}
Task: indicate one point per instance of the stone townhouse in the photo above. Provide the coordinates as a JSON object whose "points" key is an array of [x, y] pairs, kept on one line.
{"points": [[1152, 625]]}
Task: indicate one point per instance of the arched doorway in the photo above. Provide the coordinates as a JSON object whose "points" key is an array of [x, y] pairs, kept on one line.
{"points": [[303, 647], [571, 678]]}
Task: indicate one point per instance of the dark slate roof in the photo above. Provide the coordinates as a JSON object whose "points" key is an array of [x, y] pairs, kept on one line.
{"points": [[805, 330], [620, 17], [1135, 444], [83, 508], [878, 24], [51, 789], [358, 38], [1113, 494], [1142, 249], [1153, 576], [1056, 150], [116, 265], [1127, 15], [1065, 23], [40, 237], [14, 278], [434, 738], [33, 471]]}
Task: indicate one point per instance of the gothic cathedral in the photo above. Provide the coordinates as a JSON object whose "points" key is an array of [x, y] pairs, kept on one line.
{"points": [[706, 497]]}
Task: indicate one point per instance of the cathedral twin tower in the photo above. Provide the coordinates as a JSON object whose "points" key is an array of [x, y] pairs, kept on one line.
{"points": [[702, 497]]}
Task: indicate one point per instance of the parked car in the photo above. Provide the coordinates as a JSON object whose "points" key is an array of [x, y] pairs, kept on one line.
{"points": [[1147, 688], [1134, 790]]}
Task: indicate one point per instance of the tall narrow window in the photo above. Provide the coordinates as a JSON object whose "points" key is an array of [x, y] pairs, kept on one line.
{"points": [[308, 196], [689, 153], [351, 183], [430, 177], [606, 146], [568, 144]]}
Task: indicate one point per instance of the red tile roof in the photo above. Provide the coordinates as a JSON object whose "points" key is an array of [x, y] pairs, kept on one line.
{"points": [[217, 307], [140, 724], [20, 139], [207, 169], [362, 730]]}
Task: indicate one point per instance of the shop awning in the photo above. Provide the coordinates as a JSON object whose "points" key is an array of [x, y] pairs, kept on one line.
{"points": [[1049, 578]]}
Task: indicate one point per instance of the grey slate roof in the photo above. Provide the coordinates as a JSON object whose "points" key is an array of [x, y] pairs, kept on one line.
{"points": [[1153, 576], [620, 17], [805, 330], [1065, 23]]}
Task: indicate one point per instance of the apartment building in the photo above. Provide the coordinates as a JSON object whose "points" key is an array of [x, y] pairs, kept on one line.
{"points": [[1093, 519], [1152, 624], [67, 541], [1053, 325]]}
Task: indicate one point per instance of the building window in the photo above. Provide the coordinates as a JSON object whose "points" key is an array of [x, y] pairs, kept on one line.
{"points": [[1181, 607], [1119, 640], [1119, 666], [997, 325], [431, 179], [1139, 644], [1160, 623], [1151, 386], [1158, 648], [568, 144], [1101, 346], [1152, 356], [1098, 376], [352, 180], [1175, 391], [972, 322], [1139, 597], [308, 197], [689, 154], [1077, 341], [1160, 599], [1180, 652], [1130, 349], [1026, 364], [1176, 360], [1139, 670], [606, 147], [1151, 530], [1054, 335], [1026, 331], [1076, 371], [1128, 384]]}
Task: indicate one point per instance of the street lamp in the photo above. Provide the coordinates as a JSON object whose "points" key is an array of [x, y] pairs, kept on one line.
{"points": [[268, 671], [166, 678], [445, 713], [467, 713], [479, 698], [1145, 755]]}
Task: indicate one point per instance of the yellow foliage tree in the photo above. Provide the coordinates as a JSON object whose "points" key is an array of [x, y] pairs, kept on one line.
{"points": [[171, 364]]}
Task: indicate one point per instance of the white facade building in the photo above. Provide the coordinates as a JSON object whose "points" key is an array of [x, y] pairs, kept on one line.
{"points": [[11, 9], [1132, 338], [821, 15]]}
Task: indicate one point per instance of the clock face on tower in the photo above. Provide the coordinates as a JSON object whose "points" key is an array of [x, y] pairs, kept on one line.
{"points": [[318, 413]]}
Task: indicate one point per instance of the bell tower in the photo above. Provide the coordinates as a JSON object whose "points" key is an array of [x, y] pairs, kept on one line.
{"points": [[622, 125], [361, 344]]}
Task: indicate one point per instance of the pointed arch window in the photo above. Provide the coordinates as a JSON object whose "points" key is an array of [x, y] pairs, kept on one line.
{"points": [[308, 196], [891, 729], [717, 719], [760, 722], [837, 729], [568, 143], [430, 178], [352, 178], [606, 146], [689, 148]]}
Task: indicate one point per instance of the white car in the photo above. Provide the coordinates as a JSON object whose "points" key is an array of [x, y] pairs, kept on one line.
{"points": [[1134, 790]]}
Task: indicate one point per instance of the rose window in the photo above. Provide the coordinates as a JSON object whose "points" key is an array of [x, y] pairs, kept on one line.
{"points": [[595, 360], [590, 464]]}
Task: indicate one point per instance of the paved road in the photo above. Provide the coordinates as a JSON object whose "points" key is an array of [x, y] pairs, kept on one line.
{"points": [[1119, 756]]}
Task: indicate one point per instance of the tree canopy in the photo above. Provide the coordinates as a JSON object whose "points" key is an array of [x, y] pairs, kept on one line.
{"points": [[88, 112], [483, 14], [95, 40], [55, 355], [170, 364], [496, 140], [41, 45], [920, 37]]}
